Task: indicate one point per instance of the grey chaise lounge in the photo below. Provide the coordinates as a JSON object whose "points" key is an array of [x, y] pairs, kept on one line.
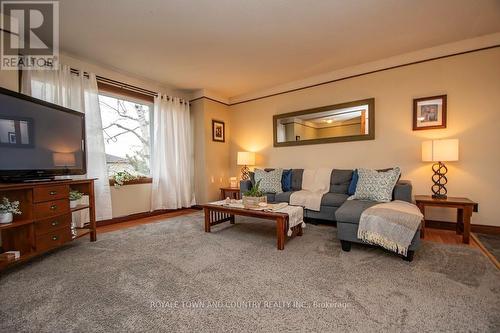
{"points": [[336, 208]]}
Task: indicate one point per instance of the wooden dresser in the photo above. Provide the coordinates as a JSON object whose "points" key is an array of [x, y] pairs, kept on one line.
{"points": [[45, 222]]}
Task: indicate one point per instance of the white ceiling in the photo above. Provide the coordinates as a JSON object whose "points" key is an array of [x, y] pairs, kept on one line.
{"points": [[234, 47]]}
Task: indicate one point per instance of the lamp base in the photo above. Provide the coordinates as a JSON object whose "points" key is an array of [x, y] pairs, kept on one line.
{"points": [[245, 173], [439, 179]]}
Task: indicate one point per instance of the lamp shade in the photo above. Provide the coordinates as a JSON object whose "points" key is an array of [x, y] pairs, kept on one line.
{"points": [[246, 158], [440, 150]]}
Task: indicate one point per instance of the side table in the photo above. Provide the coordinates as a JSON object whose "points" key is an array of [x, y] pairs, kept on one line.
{"points": [[231, 192], [464, 207]]}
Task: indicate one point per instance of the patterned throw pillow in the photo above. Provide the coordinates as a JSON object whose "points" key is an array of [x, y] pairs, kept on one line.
{"points": [[376, 185], [270, 181]]}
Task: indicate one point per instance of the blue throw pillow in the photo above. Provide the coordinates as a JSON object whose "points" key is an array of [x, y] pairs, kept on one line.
{"points": [[286, 180], [354, 181]]}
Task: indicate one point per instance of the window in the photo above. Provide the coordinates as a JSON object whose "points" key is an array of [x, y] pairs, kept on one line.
{"points": [[127, 138]]}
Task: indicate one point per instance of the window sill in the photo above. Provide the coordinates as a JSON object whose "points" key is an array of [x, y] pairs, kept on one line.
{"points": [[145, 180]]}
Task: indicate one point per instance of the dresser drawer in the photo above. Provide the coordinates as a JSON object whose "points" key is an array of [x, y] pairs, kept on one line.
{"points": [[53, 223], [51, 208], [53, 239], [49, 193]]}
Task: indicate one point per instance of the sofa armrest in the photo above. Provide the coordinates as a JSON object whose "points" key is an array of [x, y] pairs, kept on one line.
{"points": [[245, 185], [403, 191]]}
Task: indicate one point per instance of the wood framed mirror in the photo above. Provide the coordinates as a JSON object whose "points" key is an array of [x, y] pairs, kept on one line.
{"points": [[351, 121]]}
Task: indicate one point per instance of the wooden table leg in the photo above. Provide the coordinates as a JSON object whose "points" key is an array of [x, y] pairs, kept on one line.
{"points": [[280, 232], [93, 232], [467, 215], [231, 219], [300, 230], [207, 219], [460, 221], [422, 228]]}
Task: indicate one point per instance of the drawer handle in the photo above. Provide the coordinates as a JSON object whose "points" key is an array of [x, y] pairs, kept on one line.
{"points": [[54, 223], [53, 192], [54, 238], [53, 207]]}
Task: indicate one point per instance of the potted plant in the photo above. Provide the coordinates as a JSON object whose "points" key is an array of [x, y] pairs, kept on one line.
{"points": [[74, 196], [253, 198], [122, 177], [7, 209]]}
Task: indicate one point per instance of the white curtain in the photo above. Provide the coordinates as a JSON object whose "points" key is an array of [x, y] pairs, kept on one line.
{"points": [[172, 155], [78, 93]]}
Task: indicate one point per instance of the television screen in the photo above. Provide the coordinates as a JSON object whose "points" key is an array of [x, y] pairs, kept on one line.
{"points": [[39, 139]]}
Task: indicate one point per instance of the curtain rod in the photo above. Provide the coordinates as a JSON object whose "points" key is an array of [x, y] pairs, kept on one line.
{"points": [[123, 85]]}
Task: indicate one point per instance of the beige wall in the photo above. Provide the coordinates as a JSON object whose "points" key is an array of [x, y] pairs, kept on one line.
{"points": [[131, 199], [472, 83], [308, 132], [211, 158]]}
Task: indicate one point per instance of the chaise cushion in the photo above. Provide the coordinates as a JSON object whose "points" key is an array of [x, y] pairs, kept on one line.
{"points": [[351, 210], [340, 180], [297, 179], [283, 196], [270, 197], [333, 199]]}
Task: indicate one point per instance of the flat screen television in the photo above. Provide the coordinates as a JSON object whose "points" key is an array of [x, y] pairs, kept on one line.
{"points": [[39, 140]]}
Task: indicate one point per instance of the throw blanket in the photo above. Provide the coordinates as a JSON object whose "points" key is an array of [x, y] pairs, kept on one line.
{"points": [[295, 216], [391, 225], [315, 183]]}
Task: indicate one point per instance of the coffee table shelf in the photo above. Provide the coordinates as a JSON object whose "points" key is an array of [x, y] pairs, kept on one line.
{"points": [[216, 214]]}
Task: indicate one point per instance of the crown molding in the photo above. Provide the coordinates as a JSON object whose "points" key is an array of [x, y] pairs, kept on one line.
{"points": [[210, 95]]}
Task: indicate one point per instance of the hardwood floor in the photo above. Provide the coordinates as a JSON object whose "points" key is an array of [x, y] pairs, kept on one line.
{"points": [[446, 237], [146, 220]]}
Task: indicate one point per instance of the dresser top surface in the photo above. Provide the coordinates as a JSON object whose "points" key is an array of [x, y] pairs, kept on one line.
{"points": [[27, 185]]}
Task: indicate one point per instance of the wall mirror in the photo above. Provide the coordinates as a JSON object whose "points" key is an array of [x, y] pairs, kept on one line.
{"points": [[351, 121]]}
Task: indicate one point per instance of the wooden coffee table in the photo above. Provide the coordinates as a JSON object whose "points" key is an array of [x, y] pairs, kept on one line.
{"points": [[216, 214]]}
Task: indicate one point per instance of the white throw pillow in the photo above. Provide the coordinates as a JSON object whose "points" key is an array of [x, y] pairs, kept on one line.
{"points": [[270, 181], [376, 185]]}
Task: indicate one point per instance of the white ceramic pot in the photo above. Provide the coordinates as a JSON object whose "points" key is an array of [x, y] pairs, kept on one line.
{"points": [[73, 203], [6, 217]]}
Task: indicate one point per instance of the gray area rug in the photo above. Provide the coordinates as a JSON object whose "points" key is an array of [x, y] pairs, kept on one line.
{"points": [[173, 277], [491, 243]]}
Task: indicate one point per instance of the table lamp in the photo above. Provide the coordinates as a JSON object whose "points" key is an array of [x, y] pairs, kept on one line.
{"points": [[439, 151], [245, 158]]}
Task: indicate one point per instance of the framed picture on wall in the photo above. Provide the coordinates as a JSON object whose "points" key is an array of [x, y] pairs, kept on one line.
{"points": [[429, 113], [218, 131]]}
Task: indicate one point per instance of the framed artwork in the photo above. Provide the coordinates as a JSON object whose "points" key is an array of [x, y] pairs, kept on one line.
{"points": [[218, 131], [429, 113]]}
